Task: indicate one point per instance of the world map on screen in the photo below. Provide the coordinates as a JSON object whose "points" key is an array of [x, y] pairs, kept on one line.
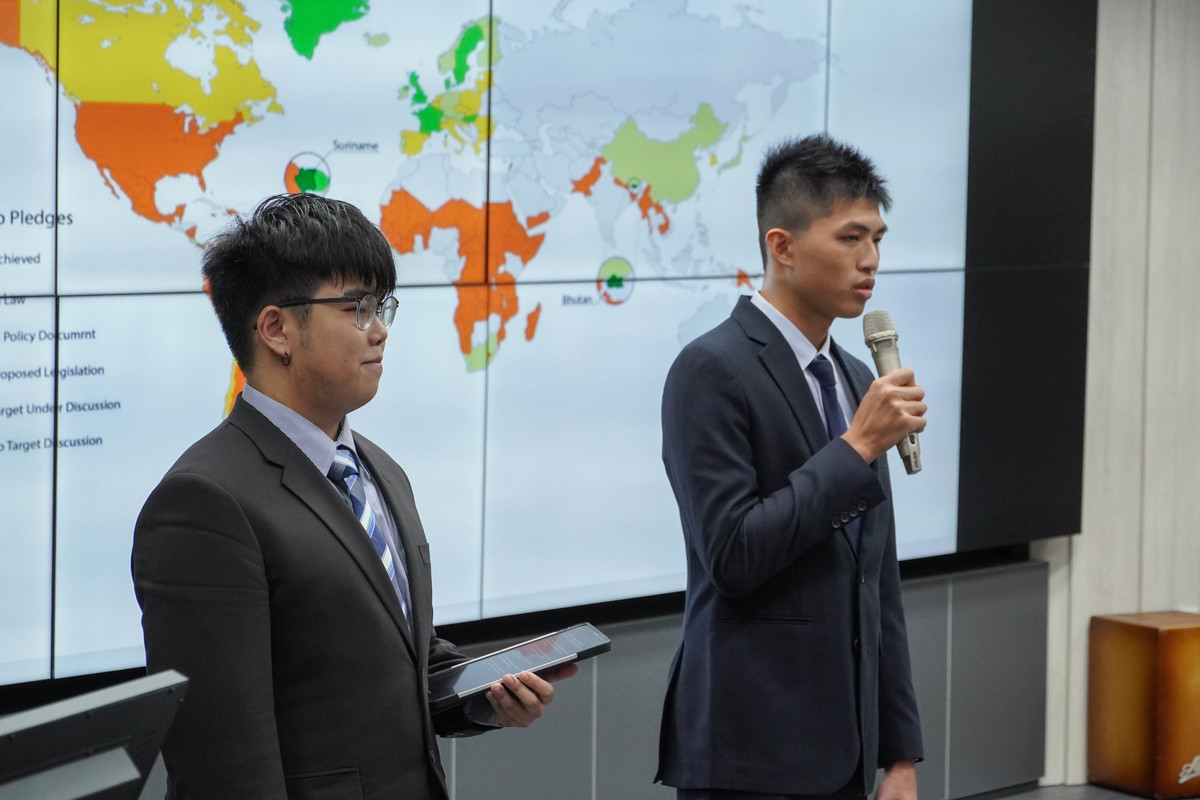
{"points": [[568, 189]]}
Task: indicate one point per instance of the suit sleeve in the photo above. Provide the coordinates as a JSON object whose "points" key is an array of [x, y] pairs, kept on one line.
{"points": [[200, 580], [899, 725], [740, 536], [471, 718]]}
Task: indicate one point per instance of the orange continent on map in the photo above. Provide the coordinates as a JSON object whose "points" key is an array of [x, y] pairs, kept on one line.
{"points": [[139, 117], [405, 218], [134, 145]]}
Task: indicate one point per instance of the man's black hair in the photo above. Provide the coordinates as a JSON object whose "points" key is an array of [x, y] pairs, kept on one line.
{"points": [[801, 178], [286, 250]]}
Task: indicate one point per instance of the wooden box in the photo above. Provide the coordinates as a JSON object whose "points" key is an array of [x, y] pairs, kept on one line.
{"points": [[1144, 703]]}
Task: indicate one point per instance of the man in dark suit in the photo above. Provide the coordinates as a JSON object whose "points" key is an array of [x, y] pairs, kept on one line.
{"points": [[792, 676], [280, 564]]}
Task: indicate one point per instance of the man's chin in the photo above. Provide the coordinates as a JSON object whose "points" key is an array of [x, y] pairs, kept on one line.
{"points": [[367, 395]]}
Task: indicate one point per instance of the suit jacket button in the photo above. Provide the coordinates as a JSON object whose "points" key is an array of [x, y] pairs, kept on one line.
{"points": [[862, 505], [837, 523], [845, 516], [854, 512]]}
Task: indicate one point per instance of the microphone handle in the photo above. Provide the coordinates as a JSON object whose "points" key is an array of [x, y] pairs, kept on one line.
{"points": [[887, 359]]}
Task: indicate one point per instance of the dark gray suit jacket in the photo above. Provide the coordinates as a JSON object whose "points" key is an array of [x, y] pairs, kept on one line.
{"points": [[258, 583], [793, 669]]}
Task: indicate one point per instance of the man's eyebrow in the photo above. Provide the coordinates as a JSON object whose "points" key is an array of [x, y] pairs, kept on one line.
{"points": [[858, 227]]}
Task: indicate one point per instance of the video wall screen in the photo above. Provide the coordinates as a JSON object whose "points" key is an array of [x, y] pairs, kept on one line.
{"points": [[569, 191]]}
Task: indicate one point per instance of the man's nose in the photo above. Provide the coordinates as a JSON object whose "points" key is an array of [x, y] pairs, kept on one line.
{"points": [[377, 330], [870, 259]]}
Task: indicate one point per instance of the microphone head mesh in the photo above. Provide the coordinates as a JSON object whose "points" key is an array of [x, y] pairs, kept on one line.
{"points": [[876, 322]]}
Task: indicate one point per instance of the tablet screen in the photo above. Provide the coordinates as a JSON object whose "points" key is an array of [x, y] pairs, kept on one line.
{"points": [[454, 685]]}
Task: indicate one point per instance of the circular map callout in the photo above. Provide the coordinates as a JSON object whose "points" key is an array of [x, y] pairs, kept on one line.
{"points": [[615, 281], [307, 172]]}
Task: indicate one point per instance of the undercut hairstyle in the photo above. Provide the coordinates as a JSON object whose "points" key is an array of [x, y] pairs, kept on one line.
{"points": [[286, 250], [800, 179]]}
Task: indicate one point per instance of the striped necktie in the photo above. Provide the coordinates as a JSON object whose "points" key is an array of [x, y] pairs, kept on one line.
{"points": [[835, 421], [344, 474]]}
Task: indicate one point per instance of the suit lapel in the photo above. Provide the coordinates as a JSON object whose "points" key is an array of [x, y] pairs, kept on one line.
{"points": [[859, 381], [408, 526], [310, 487], [780, 362], [315, 491]]}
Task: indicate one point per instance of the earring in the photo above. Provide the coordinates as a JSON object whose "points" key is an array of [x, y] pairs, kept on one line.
{"points": [[287, 359]]}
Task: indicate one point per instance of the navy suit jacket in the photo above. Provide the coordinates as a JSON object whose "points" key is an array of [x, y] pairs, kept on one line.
{"points": [[793, 668], [258, 583]]}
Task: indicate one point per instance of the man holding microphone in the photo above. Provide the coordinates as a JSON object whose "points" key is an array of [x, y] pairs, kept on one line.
{"points": [[792, 678]]}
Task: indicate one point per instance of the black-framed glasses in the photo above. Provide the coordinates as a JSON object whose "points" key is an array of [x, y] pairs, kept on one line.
{"points": [[368, 308]]}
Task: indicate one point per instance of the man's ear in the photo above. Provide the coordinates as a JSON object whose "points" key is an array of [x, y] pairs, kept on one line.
{"points": [[781, 246], [272, 331]]}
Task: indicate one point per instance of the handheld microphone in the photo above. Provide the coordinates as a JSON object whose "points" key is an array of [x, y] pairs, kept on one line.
{"points": [[880, 334]]}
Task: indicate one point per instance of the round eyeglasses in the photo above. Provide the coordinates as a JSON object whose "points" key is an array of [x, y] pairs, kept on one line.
{"points": [[368, 308]]}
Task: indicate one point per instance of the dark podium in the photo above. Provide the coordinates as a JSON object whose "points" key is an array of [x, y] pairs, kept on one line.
{"points": [[100, 745]]}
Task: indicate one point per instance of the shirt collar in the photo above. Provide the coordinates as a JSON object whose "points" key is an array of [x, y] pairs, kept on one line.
{"points": [[311, 440], [801, 346]]}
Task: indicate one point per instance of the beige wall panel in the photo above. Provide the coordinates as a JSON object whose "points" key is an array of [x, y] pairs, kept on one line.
{"points": [[1105, 573], [1171, 519]]}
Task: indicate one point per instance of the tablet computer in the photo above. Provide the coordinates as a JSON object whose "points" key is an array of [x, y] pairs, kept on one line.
{"points": [[457, 684]]}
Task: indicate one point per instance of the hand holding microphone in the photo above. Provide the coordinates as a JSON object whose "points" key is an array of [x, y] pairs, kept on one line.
{"points": [[892, 412]]}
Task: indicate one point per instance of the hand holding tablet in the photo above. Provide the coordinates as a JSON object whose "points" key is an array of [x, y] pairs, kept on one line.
{"points": [[457, 684]]}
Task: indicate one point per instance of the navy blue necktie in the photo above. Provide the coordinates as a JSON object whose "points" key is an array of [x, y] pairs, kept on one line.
{"points": [[835, 422]]}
